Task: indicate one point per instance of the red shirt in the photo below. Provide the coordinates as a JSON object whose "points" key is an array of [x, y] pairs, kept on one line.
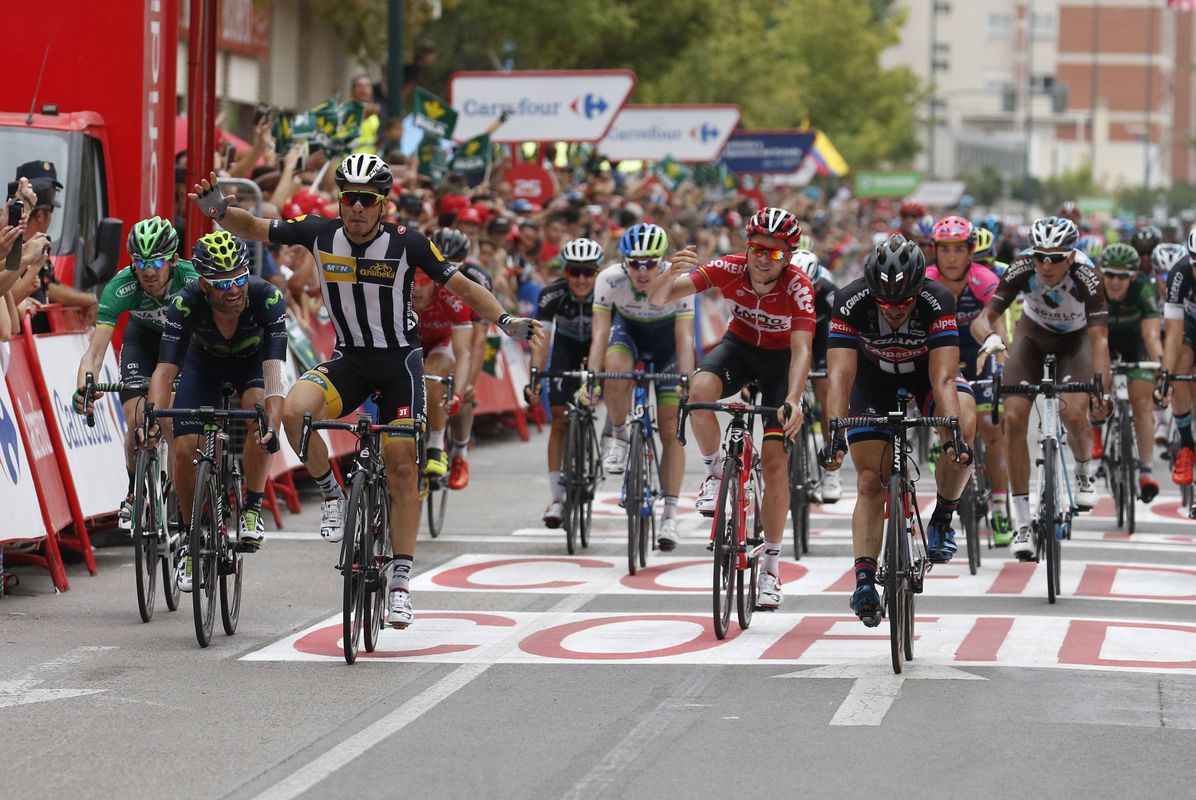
{"points": [[444, 312], [762, 321]]}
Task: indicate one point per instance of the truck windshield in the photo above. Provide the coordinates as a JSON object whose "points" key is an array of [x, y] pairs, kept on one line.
{"points": [[21, 145]]}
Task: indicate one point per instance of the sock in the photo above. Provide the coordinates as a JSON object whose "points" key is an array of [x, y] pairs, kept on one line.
{"points": [[1145, 468], [865, 570], [1086, 468], [670, 507], [401, 577], [132, 477], [556, 486], [1001, 503], [944, 509], [253, 500], [461, 449], [436, 439], [1021, 510], [1184, 423], [714, 466], [329, 486], [772, 558], [619, 431]]}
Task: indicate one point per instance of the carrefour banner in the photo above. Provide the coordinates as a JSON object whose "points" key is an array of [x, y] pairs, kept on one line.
{"points": [[542, 106], [691, 133], [18, 494]]}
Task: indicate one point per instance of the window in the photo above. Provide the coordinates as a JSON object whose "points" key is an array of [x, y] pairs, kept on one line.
{"points": [[1045, 25], [91, 194], [1000, 26]]}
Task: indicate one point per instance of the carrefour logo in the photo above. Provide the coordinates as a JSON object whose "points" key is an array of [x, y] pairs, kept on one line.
{"points": [[10, 444], [589, 105], [705, 133]]}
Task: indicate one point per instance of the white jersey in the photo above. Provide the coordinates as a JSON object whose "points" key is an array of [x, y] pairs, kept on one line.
{"points": [[614, 291]]}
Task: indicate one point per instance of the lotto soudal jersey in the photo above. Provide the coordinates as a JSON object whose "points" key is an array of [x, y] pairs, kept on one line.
{"points": [[1075, 303], [124, 293], [765, 321], [857, 323], [367, 287]]}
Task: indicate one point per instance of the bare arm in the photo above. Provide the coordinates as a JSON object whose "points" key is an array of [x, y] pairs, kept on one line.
{"points": [[462, 336], [236, 221], [94, 357], [1098, 340], [1172, 343], [476, 297], [675, 283], [987, 324], [1153, 339], [477, 356], [600, 320], [840, 373], [683, 331], [800, 345], [160, 386], [944, 366]]}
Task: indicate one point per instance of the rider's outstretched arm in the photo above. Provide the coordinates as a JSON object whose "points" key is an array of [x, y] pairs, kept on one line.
{"points": [[222, 209]]}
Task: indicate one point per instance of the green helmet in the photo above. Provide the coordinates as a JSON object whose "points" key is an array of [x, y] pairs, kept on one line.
{"points": [[218, 252], [1119, 257], [152, 238]]}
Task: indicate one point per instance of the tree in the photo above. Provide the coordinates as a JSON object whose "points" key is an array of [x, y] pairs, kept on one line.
{"points": [[986, 186]]}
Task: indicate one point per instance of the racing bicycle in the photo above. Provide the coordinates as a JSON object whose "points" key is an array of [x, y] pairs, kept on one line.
{"points": [[805, 471]]}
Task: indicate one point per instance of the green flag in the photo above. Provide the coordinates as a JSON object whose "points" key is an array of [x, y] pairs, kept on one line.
{"points": [[432, 161], [490, 359], [472, 160], [671, 173], [433, 115]]}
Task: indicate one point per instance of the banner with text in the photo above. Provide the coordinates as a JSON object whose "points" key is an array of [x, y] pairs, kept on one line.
{"points": [[692, 133], [762, 152], [886, 184], [18, 495], [544, 106], [433, 114]]}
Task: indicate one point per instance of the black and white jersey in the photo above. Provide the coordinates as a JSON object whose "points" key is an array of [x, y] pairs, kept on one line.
{"points": [[367, 287]]}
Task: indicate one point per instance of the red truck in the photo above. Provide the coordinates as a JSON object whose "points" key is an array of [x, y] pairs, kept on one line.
{"points": [[91, 88]]}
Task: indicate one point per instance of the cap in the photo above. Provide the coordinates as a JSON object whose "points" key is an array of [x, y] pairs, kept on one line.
{"points": [[470, 215], [45, 191], [522, 205], [500, 224], [453, 203], [303, 203], [411, 202], [39, 169]]}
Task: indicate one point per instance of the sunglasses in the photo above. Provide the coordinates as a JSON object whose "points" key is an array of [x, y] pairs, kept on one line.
{"points": [[154, 264], [769, 253], [1121, 276], [579, 271], [367, 199], [1050, 258], [224, 284], [900, 305], [643, 263]]}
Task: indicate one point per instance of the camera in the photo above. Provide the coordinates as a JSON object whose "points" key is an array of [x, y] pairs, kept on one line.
{"points": [[263, 111], [15, 209]]}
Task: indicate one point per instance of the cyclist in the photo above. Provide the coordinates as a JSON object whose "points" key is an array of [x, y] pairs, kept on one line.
{"points": [[985, 252], [1065, 313], [143, 289], [1179, 341], [565, 310], [629, 327], [454, 246], [768, 342], [1133, 335], [972, 286], [1163, 259], [892, 329], [445, 334], [830, 489], [1145, 240], [366, 267], [227, 327]]}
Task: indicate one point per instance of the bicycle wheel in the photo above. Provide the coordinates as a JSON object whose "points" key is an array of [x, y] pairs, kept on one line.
{"points": [[172, 547], [589, 470], [971, 525], [1113, 468], [745, 579], [572, 518], [648, 503], [354, 550], [1129, 469], [204, 547], [799, 500], [376, 589], [232, 561], [1049, 510], [633, 497], [145, 532], [725, 518], [438, 493], [895, 572]]}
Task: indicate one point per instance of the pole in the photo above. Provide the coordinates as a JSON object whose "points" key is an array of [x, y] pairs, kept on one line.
{"points": [[394, 63], [1148, 106], [201, 104], [934, 51], [1093, 95], [1029, 39]]}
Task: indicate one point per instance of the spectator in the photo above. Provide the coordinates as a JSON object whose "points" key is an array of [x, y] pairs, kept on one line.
{"points": [[425, 54], [361, 89], [392, 136]]}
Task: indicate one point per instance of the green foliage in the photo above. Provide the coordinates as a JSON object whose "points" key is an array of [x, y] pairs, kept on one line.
{"points": [[986, 186], [361, 24], [1068, 186]]}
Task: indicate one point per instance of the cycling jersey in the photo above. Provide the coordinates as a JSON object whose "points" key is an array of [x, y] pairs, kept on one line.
{"points": [[571, 317], [367, 287], [1181, 291], [761, 321], [1126, 315], [614, 291], [979, 289], [857, 323], [1075, 303], [444, 312], [480, 276], [191, 329], [124, 293]]}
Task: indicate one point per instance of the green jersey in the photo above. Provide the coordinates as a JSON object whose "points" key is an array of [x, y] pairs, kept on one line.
{"points": [[1126, 315], [124, 293]]}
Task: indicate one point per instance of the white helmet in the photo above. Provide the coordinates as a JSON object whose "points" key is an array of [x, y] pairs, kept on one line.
{"points": [[1165, 256], [583, 251], [1053, 233], [1192, 242], [361, 169], [807, 262]]}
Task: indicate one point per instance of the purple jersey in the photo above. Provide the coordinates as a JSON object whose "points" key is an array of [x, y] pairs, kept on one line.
{"points": [[982, 283]]}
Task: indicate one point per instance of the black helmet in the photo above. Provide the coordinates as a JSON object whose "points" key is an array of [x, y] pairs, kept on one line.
{"points": [[451, 243], [895, 270], [1145, 240]]}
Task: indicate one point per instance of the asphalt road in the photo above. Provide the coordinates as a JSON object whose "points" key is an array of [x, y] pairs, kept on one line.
{"points": [[532, 674]]}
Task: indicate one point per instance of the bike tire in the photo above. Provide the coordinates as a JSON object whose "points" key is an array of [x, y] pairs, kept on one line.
{"points": [[204, 548], [589, 471], [799, 502], [230, 582], [376, 594], [169, 553], [438, 493], [724, 547], [633, 497], [354, 549], [648, 504], [968, 517], [1129, 469], [145, 532], [572, 515], [895, 577], [1049, 511], [746, 579]]}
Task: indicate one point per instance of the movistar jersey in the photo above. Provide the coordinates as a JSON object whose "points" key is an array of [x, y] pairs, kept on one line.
{"points": [[124, 293], [261, 329]]}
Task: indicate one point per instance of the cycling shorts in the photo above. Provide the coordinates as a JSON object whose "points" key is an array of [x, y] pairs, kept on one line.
{"points": [[442, 347], [202, 379], [737, 364], [874, 393], [1132, 351], [1033, 343], [396, 375], [653, 343], [822, 333], [567, 355], [984, 393], [138, 359]]}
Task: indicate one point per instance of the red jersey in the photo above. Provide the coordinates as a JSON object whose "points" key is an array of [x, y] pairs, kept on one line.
{"points": [[761, 321], [444, 312]]}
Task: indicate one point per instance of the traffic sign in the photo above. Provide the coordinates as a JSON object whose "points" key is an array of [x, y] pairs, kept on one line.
{"points": [[763, 152], [692, 133], [543, 106]]}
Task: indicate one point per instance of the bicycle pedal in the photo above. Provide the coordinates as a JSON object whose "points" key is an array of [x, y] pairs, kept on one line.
{"points": [[753, 541], [246, 546], [709, 547], [226, 566]]}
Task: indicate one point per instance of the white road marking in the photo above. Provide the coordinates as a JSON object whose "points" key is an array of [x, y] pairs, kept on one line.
{"points": [[875, 687], [24, 690]]}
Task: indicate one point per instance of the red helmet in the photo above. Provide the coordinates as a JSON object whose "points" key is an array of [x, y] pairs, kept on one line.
{"points": [[1069, 210], [953, 229], [776, 222], [911, 209]]}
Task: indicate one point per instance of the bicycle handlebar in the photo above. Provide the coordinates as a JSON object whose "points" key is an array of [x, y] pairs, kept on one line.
{"points": [[737, 410], [877, 421], [1123, 367], [364, 426]]}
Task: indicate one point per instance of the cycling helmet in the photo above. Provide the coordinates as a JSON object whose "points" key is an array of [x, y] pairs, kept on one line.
{"points": [[993, 224], [924, 227], [1164, 257], [1053, 233], [807, 262], [365, 169], [984, 244], [1069, 210], [1119, 257], [451, 243], [219, 252], [953, 229], [583, 251], [1145, 240], [644, 240], [1091, 246], [776, 222], [911, 209], [805, 242], [895, 270], [1192, 242], [152, 238]]}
